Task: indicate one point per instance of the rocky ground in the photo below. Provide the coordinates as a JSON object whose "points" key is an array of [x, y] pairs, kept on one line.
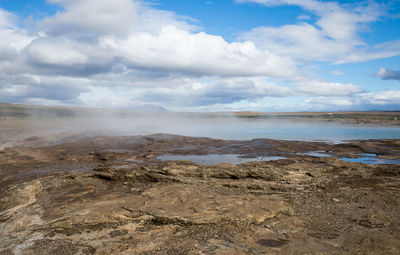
{"points": [[111, 195]]}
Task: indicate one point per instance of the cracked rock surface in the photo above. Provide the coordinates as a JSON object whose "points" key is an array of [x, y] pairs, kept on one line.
{"points": [[111, 195]]}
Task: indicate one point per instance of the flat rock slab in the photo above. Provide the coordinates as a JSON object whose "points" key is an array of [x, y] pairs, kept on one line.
{"points": [[122, 202]]}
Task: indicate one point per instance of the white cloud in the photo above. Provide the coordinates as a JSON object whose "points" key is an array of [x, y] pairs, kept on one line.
{"points": [[379, 51], [324, 103], [334, 37], [151, 20], [385, 100], [12, 37], [62, 56], [302, 41], [56, 52], [13, 90], [5, 18], [303, 17], [22, 88], [124, 53], [92, 16], [323, 88], [149, 39], [106, 97], [387, 74], [383, 97], [175, 49], [337, 72], [7, 52], [185, 92]]}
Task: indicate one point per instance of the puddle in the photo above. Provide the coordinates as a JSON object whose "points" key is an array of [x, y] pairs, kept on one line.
{"points": [[373, 160], [368, 154], [368, 158], [214, 159], [316, 154]]}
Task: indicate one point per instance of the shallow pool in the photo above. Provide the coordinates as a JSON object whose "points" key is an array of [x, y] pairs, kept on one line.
{"points": [[367, 158], [213, 159]]}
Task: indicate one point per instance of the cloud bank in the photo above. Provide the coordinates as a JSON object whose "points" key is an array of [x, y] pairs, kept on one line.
{"points": [[125, 53]]}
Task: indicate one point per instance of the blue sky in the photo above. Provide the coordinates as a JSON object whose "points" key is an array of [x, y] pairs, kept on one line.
{"points": [[225, 55]]}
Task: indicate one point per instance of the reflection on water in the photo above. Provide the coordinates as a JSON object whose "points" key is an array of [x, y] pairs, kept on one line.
{"points": [[219, 127], [368, 158], [232, 129], [316, 154], [213, 159], [372, 160]]}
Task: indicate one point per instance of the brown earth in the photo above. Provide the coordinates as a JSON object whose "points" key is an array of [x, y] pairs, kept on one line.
{"points": [[111, 195]]}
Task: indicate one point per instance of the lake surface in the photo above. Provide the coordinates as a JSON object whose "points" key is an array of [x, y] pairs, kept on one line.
{"points": [[232, 129]]}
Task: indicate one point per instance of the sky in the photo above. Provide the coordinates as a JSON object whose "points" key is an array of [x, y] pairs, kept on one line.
{"points": [[198, 55]]}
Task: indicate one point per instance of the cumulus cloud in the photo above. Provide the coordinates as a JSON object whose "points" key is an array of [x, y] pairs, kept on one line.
{"points": [[387, 74], [222, 90], [383, 97], [334, 37], [89, 36], [25, 88], [175, 49], [56, 52], [186, 92], [302, 41], [13, 38], [382, 100], [7, 52], [61, 56], [6, 18], [129, 53], [326, 103], [92, 16]]}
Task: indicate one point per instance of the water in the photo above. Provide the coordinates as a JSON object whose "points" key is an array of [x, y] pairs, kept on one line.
{"points": [[236, 129], [373, 161], [219, 127], [213, 159], [316, 154], [368, 158]]}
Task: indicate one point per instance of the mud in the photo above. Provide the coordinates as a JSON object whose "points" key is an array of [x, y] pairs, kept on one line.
{"points": [[112, 195]]}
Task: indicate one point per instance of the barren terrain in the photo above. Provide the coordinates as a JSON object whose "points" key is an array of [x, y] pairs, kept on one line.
{"points": [[79, 194]]}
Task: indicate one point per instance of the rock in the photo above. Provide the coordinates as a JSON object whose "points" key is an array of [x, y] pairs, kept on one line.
{"points": [[179, 207]]}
